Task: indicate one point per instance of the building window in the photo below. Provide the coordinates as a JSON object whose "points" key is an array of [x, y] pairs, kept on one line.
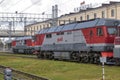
{"points": [[31, 30], [34, 28], [81, 18], [37, 28], [112, 13], [95, 15], [43, 26], [69, 20], [40, 27], [103, 14], [64, 21], [59, 22], [87, 17], [75, 19], [47, 25]]}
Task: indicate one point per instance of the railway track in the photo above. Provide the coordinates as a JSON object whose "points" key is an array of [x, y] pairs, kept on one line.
{"points": [[18, 55], [19, 75], [34, 57]]}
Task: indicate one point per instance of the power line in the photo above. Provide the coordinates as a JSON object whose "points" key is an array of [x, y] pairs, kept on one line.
{"points": [[1, 1], [29, 6], [14, 4]]}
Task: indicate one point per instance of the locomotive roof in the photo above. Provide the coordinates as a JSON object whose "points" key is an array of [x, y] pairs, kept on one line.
{"points": [[23, 38], [79, 25]]}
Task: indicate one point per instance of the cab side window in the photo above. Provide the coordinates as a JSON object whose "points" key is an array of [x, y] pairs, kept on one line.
{"points": [[34, 38], [48, 35], [99, 31]]}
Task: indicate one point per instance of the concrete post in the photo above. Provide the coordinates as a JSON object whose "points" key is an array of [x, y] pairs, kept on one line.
{"points": [[7, 74]]}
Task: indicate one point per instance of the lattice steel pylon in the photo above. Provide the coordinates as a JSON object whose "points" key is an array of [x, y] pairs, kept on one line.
{"points": [[9, 21]]}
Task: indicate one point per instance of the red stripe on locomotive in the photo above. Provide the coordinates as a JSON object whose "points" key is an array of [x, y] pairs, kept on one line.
{"points": [[107, 54], [13, 43], [91, 35], [39, 39]]}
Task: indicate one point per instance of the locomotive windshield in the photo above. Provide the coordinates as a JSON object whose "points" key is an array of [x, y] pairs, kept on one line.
{"points": [[34, 38], [112, 31]]}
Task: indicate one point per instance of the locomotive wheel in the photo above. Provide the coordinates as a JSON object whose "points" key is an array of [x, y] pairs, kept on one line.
{"points": [[74, 56], [44, 55], [91, 60], [79, 59], [40, 55], [51, 56], [117, 60], [86, 59], [97, 59], [82, 59]]}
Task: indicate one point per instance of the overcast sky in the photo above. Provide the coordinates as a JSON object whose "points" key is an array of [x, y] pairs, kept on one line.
{"points": [[39, 6]]}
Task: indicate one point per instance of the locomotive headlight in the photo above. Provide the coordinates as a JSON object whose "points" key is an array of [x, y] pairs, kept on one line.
{"points": [[109, 48]]}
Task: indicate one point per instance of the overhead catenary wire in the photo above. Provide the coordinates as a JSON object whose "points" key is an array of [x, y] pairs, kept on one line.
{"points": [[1, 1], [14, 4], [29, 7]]}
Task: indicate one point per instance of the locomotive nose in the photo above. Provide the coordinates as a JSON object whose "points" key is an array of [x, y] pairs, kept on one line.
{"points": [[117, 41]]}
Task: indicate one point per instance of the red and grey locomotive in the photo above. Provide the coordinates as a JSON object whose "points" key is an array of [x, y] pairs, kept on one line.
{"points": [[84, 41], [23, 45]]}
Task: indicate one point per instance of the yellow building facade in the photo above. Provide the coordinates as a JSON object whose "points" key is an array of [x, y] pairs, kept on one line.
{"points": [[111, 10]]}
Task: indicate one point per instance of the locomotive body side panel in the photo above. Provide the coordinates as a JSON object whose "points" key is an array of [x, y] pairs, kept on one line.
{"points": [[28, 42], [67, 37], [23, 45], [67, 41]]}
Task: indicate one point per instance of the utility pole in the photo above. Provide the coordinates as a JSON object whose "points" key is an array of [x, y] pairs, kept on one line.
{"points": [[9, 31], [25, 26]]}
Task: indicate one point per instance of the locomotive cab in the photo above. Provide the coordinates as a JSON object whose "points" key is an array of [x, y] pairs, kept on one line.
{"points": [[116, 49], [112, 39]]}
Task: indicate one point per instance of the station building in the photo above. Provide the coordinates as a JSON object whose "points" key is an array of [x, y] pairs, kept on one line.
{"points": [[111, 10]]}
